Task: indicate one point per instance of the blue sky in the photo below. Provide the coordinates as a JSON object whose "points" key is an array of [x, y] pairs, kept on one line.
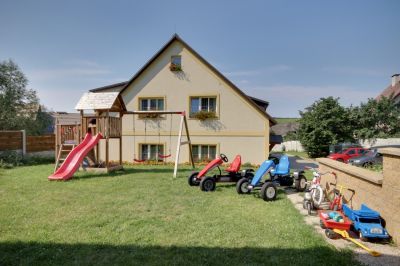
{"points": [[289, 53]]}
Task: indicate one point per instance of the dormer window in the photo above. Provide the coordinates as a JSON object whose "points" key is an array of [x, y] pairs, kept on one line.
{"points": [[176, 63]]}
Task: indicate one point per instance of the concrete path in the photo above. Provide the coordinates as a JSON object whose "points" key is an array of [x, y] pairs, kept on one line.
{"points": [[390, 254]]}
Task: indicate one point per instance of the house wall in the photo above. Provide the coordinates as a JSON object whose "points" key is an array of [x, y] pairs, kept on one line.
{"points": [[378, 191], [239, 128]]}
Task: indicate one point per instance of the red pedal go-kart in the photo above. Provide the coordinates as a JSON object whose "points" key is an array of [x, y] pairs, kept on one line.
{"points": [[231, 174]]}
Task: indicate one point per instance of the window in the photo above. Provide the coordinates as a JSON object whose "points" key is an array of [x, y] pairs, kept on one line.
{"points": [[205, 104], [176, 63], [151, 152], [151, 104], [203, 153]]}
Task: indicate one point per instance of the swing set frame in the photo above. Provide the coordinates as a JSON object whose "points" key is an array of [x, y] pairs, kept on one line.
{"points": [[183, 125]]}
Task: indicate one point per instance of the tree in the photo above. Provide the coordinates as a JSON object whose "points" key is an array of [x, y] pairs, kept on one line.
{"points": [[375, 119], [19, 106], [323, 123]]}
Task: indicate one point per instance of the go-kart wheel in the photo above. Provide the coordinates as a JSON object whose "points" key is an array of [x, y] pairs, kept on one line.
{"points": [[309, 208], [223, 157], [192, 180], [242, 186], [268, 191], [207, 184], [300, 183], [321, 223]]}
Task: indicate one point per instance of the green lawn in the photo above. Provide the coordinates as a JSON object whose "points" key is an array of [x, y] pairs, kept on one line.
{"points": [[144, 217]]}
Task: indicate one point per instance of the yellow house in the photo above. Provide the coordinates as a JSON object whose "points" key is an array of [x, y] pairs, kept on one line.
{"points": [[221, 118]]}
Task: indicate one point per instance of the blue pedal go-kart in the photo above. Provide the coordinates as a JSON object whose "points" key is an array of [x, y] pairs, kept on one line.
{"points": [[279, 175]]}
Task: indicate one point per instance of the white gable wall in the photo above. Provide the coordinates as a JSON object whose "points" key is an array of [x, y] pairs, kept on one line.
{"points": [[239, 129]]}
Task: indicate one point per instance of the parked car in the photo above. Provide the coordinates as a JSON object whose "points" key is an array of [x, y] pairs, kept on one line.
{"points": [[367, 222], [347, 154], [370, 158], [340, 147]]}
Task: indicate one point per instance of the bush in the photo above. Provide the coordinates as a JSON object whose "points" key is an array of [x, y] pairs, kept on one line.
{"points": [[10, 159], [204, 115]]}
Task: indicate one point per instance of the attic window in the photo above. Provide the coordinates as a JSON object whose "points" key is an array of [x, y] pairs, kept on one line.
{"points": [[176, 63]]}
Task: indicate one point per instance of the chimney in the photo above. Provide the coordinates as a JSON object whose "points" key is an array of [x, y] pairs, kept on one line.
{"points": [[395, 79]]}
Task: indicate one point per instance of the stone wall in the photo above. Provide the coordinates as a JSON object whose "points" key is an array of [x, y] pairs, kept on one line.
{"points": [[380, 191]]}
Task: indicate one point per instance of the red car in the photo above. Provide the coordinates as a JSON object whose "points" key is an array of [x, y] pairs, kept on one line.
{"points": [[347, 154]]}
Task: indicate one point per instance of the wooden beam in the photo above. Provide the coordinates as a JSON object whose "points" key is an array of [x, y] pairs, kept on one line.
{"points": [[188, 140]]}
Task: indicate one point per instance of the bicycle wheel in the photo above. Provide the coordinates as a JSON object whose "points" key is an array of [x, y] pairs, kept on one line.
{"points": [[317, 196]]}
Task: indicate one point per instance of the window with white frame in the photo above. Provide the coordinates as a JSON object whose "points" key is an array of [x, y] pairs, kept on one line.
{"points": [[203, 152], [151, 104], [151, 152], [205, 104]]}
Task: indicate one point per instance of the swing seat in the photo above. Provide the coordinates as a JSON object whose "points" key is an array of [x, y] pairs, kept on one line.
{"points": [[139, 161], [164, 156]]}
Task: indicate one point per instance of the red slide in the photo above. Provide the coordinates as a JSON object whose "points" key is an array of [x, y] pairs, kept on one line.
{"points": [[75, 158]]}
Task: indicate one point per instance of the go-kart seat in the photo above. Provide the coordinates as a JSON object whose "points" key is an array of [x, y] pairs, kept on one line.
{"points": [[283, 168], [235, 165]]}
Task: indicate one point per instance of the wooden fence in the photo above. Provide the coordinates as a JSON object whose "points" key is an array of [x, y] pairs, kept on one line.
{"points": [[11, 140], [15, 140], [40, 143]]}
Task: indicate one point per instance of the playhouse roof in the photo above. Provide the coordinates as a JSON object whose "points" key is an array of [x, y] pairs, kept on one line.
{"points": [[103, 101]]}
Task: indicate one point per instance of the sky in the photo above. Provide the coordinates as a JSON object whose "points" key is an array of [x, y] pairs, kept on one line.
{"points": [[289, 53]]}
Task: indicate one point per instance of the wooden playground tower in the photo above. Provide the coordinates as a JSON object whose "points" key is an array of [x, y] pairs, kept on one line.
{"points": [[109, 109]]}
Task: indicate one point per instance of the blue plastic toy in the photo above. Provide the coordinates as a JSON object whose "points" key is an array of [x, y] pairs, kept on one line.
{"points": [[367, 222], [279, 175]]}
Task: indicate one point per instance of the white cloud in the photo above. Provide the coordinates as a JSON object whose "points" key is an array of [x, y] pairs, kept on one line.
{"points": [[348, 70], [75, 68], [287, 100]]}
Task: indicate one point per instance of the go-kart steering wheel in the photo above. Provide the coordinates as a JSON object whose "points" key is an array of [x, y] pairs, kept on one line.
{"points": [[223, 157]]}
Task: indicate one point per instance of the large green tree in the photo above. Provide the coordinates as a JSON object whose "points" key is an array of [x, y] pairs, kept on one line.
{"points": [[323, 123], [376, 119], [19, 106]]}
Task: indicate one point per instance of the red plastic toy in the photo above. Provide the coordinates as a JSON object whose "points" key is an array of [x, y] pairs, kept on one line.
{"points": [[232, 173]]}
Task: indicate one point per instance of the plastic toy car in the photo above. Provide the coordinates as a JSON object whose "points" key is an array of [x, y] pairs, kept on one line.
{"points": [[279, 175], [367, 222], [232, 173]]}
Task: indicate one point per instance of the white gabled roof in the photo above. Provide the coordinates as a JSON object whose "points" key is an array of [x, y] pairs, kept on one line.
{"points": [[97, 101]]}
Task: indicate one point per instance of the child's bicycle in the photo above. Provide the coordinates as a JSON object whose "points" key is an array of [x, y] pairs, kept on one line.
{"points": [[314, 195], [337, 198]]}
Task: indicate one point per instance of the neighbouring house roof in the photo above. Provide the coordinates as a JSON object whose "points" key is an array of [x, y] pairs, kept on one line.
{"points": [[64, 118], [390, 91], [284, 128], [110, 101], [123, 85]]}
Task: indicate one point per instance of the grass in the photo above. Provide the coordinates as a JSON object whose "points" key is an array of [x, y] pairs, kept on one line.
{"points": [[141, 216], [301, 154], [282, 120]]}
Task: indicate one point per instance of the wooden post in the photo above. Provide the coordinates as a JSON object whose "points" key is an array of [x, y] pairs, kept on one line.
{"points": [[107, 136], [120, 138], [56, 140], [178, 146], [188, 140]]}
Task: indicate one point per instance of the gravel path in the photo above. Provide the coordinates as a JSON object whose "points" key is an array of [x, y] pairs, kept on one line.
{"points": [[390, 254]]}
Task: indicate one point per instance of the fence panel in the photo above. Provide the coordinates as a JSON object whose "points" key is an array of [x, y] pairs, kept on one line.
{"points": [[40, 143], [10, 140]]}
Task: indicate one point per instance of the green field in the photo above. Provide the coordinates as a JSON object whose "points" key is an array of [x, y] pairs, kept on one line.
{"points": [[282, 120], [141, 216]]}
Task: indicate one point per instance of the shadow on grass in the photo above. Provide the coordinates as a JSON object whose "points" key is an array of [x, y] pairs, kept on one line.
{"points": [[127, 171], [33, 253]]}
